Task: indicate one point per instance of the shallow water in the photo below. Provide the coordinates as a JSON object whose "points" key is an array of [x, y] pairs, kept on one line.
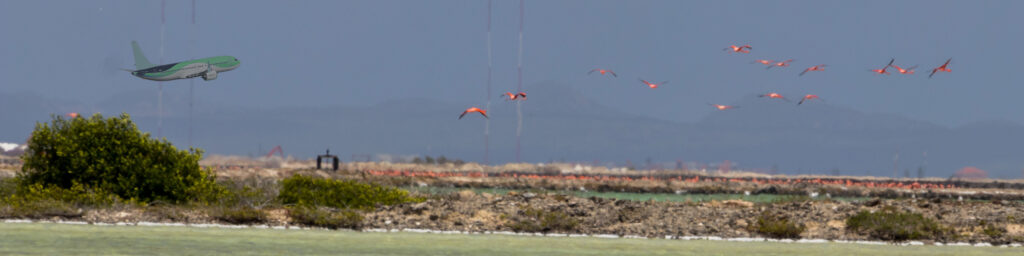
{"points": [[63, 239], [681, 197]]}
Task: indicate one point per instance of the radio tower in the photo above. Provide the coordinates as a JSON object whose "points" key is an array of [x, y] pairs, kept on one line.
{"points": [[487, 122], [896, 166], [160, 85], [519, 109], [191, 82]]}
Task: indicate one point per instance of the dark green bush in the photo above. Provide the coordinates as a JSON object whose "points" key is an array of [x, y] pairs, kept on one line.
{"points": [[891, 225], [777, 227], [537, 220], [325, 217], [239, 215], [312, 191], [112, 155]]}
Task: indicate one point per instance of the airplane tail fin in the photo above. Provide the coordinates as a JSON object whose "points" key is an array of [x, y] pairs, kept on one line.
{"points": [[140, 60]]}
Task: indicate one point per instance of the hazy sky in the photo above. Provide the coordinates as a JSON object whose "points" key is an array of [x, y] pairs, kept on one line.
{"points": [[310, 53]]}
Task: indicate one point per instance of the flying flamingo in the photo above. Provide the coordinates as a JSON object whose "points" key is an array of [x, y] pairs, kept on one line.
{"points": [[740, 49], [515, 96], [722, 107], [808, 97], [765, 62], [942, 68], [781, 64], [882, 71], [474, 109], [814, 68], [602, 71], [772, 95], [907, 71], [73, 115], [652, 85]]}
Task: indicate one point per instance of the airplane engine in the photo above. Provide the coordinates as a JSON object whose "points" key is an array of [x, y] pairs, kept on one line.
{"points": [[210, 75]]}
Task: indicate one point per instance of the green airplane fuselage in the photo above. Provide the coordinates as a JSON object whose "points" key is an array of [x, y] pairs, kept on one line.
{"points": [[207, 68], [188, 69]]}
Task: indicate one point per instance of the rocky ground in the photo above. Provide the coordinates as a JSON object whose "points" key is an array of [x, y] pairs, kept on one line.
{"points": [[468, 211]]}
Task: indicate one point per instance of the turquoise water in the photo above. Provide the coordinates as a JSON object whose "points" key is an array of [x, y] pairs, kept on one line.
{"points": [[67, 239], [761, 198]]}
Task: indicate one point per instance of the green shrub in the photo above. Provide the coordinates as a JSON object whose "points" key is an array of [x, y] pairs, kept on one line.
{"points": [[891, 225], [77, 195], [239, 215], [112, 155], [39, 209], [172, 213], [791, 199], [777, 227], [311, 191], [37, 201], [8, 186], [326, 218], [537, 220], [250, 192], [991, 230]]}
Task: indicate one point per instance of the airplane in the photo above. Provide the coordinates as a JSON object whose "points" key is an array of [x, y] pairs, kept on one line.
{"points": [[207, 68]]}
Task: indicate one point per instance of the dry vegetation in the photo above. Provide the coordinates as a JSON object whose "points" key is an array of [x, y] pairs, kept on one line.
{"points": [[255, 198]]}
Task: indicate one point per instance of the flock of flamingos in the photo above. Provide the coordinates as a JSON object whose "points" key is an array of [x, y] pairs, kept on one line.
{"points": [[739, 49], [742, 49]]}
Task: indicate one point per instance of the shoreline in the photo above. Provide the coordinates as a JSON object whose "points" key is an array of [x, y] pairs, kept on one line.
{"points": [[507, 233]]}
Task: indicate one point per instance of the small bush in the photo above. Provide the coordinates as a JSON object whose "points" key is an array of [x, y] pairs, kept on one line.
{"points": [[7, 187], [311, 191], [170, 212], [77, 195], [537, 220], [326, 218], [38, 201], [777, 227], [792, 199], [239, 215], [112, 155], [38, 209], [991, 230], [891, 225], [250, 192]]}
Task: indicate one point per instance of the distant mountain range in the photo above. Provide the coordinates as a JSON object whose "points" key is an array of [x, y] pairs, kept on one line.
{"points": [[561, 125]]}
